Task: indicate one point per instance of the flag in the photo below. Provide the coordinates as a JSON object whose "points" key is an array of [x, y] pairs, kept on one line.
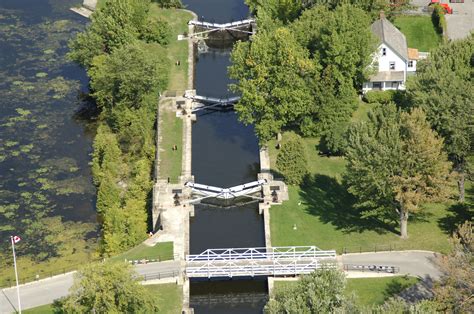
{"points": [[16, 239]]}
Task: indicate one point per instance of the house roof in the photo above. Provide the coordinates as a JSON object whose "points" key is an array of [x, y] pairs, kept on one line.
{"points": [[388, 76], [391, 36], [413, 54]]}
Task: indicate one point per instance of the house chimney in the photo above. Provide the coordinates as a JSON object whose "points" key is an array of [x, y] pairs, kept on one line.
{"points": [[382, 14]]}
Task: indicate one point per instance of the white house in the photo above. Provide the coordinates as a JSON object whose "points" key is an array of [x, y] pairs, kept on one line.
{"points": [[393, 59]]}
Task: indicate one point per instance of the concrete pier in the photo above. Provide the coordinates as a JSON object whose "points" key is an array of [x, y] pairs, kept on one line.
{"points": [[88, 7]]}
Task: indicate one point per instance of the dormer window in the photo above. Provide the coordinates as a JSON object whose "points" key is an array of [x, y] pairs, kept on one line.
{"points": [[384, 51], [392, 65]]}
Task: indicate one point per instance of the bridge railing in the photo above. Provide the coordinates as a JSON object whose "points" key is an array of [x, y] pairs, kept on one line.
{"points": [[273, 253]]}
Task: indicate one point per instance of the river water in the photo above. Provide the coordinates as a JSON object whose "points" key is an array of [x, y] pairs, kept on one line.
{"points": [[225, 153], [45, 142]]}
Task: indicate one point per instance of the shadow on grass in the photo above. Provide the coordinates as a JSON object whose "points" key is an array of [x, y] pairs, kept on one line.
{"points": [[330, 201], [457, 214], [399, 285]]}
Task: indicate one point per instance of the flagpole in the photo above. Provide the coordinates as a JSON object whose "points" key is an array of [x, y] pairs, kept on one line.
{"points": [[16, 275]]}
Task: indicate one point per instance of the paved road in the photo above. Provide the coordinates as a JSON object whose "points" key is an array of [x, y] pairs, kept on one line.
{"points": [[47, 290], [414, 263], [461, 22]]}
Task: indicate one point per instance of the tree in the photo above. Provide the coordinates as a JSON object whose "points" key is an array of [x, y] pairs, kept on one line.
{"points": [[395, 163], [272, 72], [127, 75], [455, 291], [322, 291], [291, 161], [444, 88], [342, 41], [118, 23], [107, 288]]}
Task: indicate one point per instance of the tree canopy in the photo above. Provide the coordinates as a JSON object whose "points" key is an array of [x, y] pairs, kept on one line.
{"points": [[396, 162], [118, 23], [291, 161], [444, 88], [322, 291], [304, 75], [107, 288]]}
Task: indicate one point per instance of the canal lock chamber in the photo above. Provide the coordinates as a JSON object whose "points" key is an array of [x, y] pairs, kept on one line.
{"points": [[224, 153]]}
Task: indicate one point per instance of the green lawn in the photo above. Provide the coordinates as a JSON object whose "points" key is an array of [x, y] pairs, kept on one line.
{"points": [[43, 309], [169, 297], [419, 31], [177, 50], [171, 133], [368, 291], [324, 215], [374, 291], [162, 251]]}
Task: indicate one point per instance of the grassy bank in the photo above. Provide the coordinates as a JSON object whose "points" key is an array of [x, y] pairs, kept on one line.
{"points": [[368, 291], [169, 297], [322, 212], [171, 133], [419, 31], [161, 251]]}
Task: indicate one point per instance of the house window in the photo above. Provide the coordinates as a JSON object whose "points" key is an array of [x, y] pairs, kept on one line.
{"points": [[395, 85], [410, 64], [392, 65], [376, 85], [384, 51]]}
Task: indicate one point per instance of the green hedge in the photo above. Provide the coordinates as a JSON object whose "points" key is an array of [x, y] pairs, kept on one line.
{"points": [[439, 20], [379, 97]]}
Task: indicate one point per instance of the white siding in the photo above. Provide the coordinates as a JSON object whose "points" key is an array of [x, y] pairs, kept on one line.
{"points": [[384, 61], [413, 68]]}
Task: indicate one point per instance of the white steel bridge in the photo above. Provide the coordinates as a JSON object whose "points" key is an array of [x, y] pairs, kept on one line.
{"points": [[250, 262], [204, 102]]}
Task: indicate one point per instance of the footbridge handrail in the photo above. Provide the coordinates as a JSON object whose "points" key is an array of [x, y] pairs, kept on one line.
{"points": [[263, 261], [218, 25]]}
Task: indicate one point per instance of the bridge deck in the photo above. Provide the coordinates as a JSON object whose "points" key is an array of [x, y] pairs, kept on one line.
{"points": [[271, 261], [222, 26]]}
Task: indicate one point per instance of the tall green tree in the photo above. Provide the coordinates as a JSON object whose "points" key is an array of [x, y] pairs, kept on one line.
{"points": [[322, 291], [444, 88], [272, 72], [107, 288], [341, 40], [117, 23], [395, 163], [292, 161], [127, 75]]}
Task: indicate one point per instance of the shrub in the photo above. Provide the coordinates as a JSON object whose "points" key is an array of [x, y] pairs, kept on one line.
{"points": [[438, 19], [380, 97], [291, 161]]}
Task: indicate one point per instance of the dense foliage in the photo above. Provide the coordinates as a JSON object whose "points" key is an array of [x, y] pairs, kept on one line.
{"points": [[396, 162], [291, 161], [444, 88], [107, 288], [322, 291], [379, 97], [455, 290], [128, 67], [294, 76]]}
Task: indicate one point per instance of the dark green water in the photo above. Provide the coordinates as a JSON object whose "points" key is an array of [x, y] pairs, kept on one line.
{"points": [[46, 191]]}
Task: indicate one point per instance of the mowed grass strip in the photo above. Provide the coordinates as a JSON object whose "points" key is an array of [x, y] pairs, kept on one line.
{"points": [[321, 212], [419, 31], [161, 251], [177, 50], [171, 133], [169, 297]]}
